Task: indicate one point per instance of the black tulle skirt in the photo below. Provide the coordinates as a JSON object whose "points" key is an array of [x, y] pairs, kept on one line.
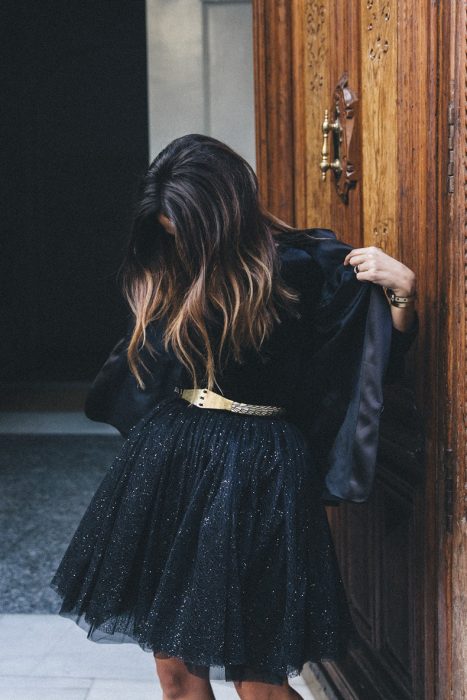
{"points": [[206, 540]]}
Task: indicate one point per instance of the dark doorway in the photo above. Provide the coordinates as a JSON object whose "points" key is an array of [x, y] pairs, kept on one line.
{"points": [[76, 131]]}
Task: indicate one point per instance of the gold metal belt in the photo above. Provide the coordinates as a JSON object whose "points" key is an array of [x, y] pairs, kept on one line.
{"points": [[205, 398]]}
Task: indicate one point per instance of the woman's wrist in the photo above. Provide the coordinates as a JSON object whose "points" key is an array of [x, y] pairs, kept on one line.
{"points": [[407, 287], [403, 317]]}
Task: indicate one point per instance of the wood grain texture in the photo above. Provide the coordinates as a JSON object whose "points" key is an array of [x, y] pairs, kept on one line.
{"points": [[274, 99], [417, 240], [455, 423], [317, 39], [347, 220], [379, 46], [403, 554]]}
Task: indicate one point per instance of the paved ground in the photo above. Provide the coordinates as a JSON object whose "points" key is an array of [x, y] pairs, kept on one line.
{"points": [[47, 482], [47, 657]]}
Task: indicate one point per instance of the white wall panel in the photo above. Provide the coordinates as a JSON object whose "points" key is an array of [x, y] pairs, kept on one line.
{"points": [[200, 72], [229, 74], [175, 70]]}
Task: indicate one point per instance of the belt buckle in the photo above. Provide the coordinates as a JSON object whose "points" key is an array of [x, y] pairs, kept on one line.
{"points": [[205, 398]]}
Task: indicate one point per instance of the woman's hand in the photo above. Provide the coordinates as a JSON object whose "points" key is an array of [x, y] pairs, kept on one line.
{"points": [[377, 266], [374, 265]]}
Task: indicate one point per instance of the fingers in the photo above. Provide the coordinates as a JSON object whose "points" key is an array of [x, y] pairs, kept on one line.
{"points": [[374, 265], [365, 272], [366, 276], [356, 259], [362, 267], [361, 254], [365, 268]]}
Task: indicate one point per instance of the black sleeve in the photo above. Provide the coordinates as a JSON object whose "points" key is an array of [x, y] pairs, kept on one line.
{"points": [[352, 338], [401, 342]]}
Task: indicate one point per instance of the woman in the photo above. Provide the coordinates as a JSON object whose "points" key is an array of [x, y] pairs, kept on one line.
{"points": [[262, 350]]}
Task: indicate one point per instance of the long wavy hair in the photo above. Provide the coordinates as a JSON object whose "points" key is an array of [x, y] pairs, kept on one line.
{"points": [[220, 266]]}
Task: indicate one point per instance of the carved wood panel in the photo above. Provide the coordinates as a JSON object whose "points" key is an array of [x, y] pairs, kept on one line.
{"points": [[395, 551], [317, 94], [454, 366], [379, 51]]}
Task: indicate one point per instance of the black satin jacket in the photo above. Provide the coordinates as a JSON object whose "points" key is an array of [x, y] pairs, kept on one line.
{"points": [[327, 368]]}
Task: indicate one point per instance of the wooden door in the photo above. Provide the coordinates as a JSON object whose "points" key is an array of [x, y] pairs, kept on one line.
{"points": [[396, 70]]}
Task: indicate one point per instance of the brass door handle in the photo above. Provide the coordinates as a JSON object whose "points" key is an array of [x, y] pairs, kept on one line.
{"points": [[337, 138], [336, 130]]}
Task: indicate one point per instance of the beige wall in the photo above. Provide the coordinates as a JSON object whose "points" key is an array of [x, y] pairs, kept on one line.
{"points": [[200, 72]]}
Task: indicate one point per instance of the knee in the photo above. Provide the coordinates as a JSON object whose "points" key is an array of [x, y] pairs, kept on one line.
{"points": [[173, 679], [176, 680], [248, 690], [239, 687], [173, 686], [251, 690]]}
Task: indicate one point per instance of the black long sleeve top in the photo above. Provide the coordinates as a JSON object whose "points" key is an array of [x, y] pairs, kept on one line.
{"points": [[327, 368]]}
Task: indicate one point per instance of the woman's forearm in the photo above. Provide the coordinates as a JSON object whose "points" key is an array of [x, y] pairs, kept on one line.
{"points": [[403, 317], [373, 264]]}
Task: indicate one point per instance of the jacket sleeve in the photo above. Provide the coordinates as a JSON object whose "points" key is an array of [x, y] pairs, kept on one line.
{"points": [[340, 290], [401, 342], [353, 349], [115, 396]]}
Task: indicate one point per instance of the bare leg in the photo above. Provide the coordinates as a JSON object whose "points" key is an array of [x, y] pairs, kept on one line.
{"points": [[178, 683], [252, 690]]}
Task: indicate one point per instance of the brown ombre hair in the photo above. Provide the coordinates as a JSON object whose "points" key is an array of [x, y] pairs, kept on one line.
{"points": [[220, 265]]}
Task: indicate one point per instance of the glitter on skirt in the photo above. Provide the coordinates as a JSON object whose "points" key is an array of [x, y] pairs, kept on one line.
{"points": [[206, 540]]}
